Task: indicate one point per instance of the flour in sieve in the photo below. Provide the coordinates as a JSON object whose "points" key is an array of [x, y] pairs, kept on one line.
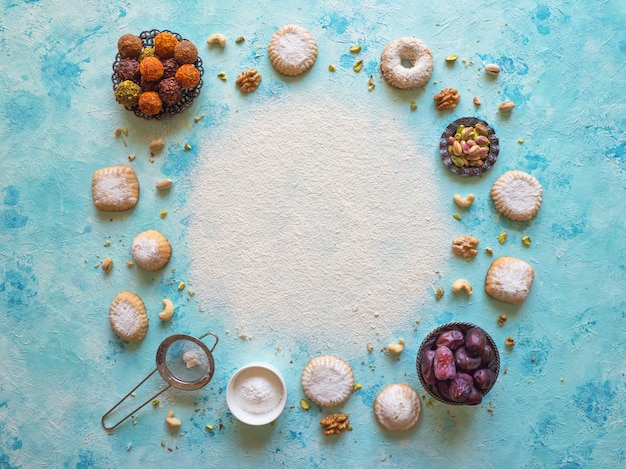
{"points": [[316, 221]]}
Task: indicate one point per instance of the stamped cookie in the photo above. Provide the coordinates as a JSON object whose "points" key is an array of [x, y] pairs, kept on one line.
{"points": [[151, 250], [327, 380], [292, 50], [408, 50], [115, 188], [397, 407], [509, 280], [517, 195], [128, 317]]}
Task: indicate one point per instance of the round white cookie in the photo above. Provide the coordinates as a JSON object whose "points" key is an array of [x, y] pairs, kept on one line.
{"points": [[397, 407], [517, 195], [509, 280], [327, 380]]}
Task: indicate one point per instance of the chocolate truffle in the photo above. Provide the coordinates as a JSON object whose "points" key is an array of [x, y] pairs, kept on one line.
{"points": [[164, 44], [127, 93], [169, 68], [187, 76], [150, 103], [129, 45], [170, 91], [147, 52], [151, 68], [128, 69], [185, 52], [149, 85]]}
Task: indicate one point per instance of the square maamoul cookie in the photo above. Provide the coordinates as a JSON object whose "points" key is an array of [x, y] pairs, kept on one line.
{"points": [[115, 188], [509, 280]]}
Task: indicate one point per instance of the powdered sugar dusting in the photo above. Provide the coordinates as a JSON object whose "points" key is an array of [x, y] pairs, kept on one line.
{"points": [[126, 318], [315, 222], [146, 250]]}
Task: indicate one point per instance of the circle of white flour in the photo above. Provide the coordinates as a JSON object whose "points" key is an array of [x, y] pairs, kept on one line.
{"points": [[315, 221]]}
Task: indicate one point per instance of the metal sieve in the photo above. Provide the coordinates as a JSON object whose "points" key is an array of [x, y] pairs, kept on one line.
{"points": [[183, 361]]}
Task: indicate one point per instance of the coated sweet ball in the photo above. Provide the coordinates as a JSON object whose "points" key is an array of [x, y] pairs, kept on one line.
{"points": [[187, 76], [150, 103], [127, 93], [170, 91], [169, 68], [147, 52], [151, 69], [129, 45], [164, 44], [185, 52], [128, 69], [148, 85]]}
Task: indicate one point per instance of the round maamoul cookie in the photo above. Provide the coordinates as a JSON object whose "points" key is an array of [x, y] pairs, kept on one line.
{"points": [[128, 317], [151, 250], [509, 280], [115, 188], [292, 50], [414, 53], [327, 380], [397, 407], [517, 195]]}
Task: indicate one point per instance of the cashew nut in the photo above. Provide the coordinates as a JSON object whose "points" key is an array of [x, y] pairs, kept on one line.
{"points": [[217, 39], [463, 201], [168, 310], [171, 420], [396, 348], [462, 284]]}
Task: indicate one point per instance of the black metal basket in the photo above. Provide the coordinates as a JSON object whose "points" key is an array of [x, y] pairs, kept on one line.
{"points": [[494, 147], [429, 344], [189, 94]]}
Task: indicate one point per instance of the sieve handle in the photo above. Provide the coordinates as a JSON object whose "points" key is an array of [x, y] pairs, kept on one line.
{"points": [[214, 335], [104, 417]]}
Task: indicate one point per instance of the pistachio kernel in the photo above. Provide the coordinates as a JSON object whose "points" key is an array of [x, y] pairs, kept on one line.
{"points": [[358, 66], [239, 40], [526, 240], [502, 237], [331, 68], [439, 293], [355, 49], [413, 106], [451, 58]]}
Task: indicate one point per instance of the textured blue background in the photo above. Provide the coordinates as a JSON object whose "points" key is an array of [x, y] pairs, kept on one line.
{"points": [[562, 400]]}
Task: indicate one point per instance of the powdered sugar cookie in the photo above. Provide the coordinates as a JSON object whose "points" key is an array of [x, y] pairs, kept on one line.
{"points": [[292, 50], [509, 280], [397, 407], [517, 195], [413, 51], [151, 250], [128, 317], [327, 380], [115, 188]]}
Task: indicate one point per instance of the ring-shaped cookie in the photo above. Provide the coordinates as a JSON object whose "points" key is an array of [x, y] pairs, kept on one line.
{"points": [[412, 51]]}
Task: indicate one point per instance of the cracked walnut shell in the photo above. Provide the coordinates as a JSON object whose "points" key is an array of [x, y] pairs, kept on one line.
{"points": [[334, 424], [447, 98], [465, 246], [248, 80]]}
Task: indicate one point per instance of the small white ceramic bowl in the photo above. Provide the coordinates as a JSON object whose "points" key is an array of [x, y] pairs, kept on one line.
{"points": [[256, 394]]}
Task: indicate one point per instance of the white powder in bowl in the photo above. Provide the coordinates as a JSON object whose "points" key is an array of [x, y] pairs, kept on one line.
{"points": [[316, 221], [258, 395]]}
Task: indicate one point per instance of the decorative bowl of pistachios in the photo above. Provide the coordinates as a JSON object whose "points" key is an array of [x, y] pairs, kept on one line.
{"points": [[469, 146]]}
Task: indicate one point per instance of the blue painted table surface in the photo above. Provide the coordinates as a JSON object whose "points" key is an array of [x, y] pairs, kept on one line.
{"points": [[560, 400]]}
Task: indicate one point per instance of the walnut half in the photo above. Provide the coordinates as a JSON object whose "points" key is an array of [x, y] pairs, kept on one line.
{"points": [[447, 98], [248, 80], [465, 246], [334, 424]]}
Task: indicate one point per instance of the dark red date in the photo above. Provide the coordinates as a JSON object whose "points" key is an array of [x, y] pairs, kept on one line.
{"points": [[444, 366], [452, 339], [464, 362], [461, 387], [475, 397], [484, 378], [427, 364], [475, 340]]}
